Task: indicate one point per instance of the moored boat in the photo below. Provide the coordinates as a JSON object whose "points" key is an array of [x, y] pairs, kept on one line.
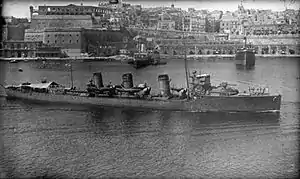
{"points": [[152, 57], [245, 56]]}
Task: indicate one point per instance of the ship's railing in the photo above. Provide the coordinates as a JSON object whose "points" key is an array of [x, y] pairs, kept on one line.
{"points": [[258, 91]]}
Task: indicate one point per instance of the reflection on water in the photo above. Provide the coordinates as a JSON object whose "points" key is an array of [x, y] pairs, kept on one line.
{"points": [[243, 67], [77, 140], [84, 141]]}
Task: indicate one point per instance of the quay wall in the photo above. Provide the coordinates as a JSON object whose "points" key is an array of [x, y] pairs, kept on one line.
{"points": [[163, 56], [261, 46]]}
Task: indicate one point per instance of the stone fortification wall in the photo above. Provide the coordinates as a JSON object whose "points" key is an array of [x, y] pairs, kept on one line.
{"points": [[60, 21]]}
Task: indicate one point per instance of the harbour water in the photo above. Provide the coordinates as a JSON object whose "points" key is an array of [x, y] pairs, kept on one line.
{"points": [[79, 141]]}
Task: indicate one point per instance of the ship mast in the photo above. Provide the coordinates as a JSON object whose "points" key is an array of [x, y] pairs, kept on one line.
{"points": [[185, 63], [71, 71]]}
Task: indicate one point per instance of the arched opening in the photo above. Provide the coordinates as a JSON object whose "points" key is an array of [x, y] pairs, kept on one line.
{"points": [[265, 50], [292, 51], [200, 52], [19, 54], [191, 53]]}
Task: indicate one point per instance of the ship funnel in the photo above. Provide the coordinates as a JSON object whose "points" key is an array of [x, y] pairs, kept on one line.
{"points": [[98, 80], [127, 80], [164, 85]]}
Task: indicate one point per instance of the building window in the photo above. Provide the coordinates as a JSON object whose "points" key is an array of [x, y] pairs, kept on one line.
{"points": [[48, 41], [55, 41], [70, 41], [77, 41]]}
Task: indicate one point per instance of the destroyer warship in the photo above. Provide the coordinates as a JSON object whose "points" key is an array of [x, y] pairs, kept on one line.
{"points": [[201, 97]]}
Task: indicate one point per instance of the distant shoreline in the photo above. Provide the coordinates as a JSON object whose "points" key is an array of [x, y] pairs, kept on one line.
{"points": [[162, 56]]}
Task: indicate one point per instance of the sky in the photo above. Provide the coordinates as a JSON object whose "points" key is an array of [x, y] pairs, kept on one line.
{"points": [[20, 8]]}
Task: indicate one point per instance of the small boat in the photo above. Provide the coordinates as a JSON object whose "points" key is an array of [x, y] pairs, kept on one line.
{"points": [[141, 60], [245, 56], [14, 61]]}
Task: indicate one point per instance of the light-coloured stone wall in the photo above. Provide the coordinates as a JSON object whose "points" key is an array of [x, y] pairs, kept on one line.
{"points": [[72, 52], [60, 21], [33, 35]]}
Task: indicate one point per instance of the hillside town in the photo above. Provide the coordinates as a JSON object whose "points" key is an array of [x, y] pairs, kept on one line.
{"points": [[111, 27]]}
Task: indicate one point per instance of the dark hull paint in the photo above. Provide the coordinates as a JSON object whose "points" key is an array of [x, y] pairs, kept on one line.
{"points": [[245, 58], [204, 104], [144, 63], [141, 63]]}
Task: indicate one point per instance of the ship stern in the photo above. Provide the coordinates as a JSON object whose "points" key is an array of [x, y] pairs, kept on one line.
{"points": [[277, 102]]}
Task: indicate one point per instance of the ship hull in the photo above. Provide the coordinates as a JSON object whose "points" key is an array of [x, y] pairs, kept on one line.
{"points": [[204, 104], [245, 58]]}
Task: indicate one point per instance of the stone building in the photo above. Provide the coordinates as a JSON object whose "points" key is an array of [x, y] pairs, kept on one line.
{"points": [[74, 41], [230, 24], [69, 40], [46, 51], [165, 21], [201, 46], [34, 35], [15, 48], [105, 42], [71, 9], [60, 21]]}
